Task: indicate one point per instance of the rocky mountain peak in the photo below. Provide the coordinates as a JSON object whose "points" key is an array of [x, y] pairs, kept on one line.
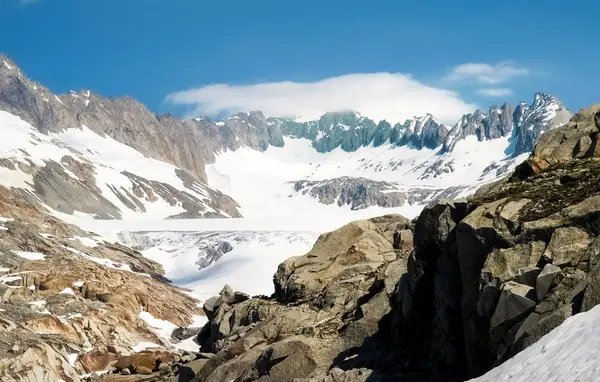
{"points": [[524, 124]]}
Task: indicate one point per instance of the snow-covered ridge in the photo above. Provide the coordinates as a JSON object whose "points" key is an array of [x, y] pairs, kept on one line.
{"points": [[80, 171]]}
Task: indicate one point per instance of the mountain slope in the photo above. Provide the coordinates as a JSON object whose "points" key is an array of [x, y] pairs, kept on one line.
{"points": [[77, 170]]}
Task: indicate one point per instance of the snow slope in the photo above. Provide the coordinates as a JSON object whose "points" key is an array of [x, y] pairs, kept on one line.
{"points": [[248, 266], [263, 189], [570, 352], [25, 151]]}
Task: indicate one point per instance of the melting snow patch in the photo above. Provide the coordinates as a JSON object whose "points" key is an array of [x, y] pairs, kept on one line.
{"points": [[45, 235], [67, 291], [37, 304], [30, 255], [72, 358], [164, 328], [5, 220], [7, 279], [31, 287], [88, 242], [3, 228], [7, 65], [145, 345], [78, 284]]}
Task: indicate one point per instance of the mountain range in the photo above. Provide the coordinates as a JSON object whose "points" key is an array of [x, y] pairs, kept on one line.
{"points": [[76, 173]]}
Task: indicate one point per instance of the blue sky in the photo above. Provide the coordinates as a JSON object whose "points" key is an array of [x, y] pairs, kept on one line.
{"points": [[458, 54]]}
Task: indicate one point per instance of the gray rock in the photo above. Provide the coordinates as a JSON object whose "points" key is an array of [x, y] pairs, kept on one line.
{"points": [[188, 371], [545, 279], [182, 333], [227, 294], [567, 246], [515, 301], [240, 297], [210, 306], [358, 193]]}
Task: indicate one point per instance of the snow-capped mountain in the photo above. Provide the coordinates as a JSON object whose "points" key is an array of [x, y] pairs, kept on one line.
{"points": [[266, 164]]}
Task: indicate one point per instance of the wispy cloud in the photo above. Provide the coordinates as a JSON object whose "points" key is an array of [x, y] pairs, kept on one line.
{"points": [[494, 92], [486, 73], [391, 96]]}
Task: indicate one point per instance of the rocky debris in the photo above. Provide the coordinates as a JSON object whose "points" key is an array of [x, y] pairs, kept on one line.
{"points": [[75, 309], [358, 193], [327, 302]]}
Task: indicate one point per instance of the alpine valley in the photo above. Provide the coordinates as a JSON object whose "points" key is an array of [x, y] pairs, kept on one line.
{"points": [[131, 243]]}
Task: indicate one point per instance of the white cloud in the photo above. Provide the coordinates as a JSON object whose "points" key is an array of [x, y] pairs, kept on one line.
{"points": [[391, 96], [486, 73], [494, 92]]}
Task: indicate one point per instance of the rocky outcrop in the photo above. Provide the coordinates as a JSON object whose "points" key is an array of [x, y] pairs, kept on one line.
{"points": [[326, 303], [524, 125], [361, 193], [358, 193], [577, 139], [531, 121], [423, 132]]}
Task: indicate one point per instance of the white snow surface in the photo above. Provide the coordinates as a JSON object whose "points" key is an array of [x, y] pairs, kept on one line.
{"points": [[270, 195], [568, 353], [162, 327], [30, 255], [67, 291]]}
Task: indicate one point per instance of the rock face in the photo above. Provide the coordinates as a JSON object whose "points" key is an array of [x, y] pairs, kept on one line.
{"points": [[524, 125], [492, 275], [69, 176], [577, 139], [326, 303], [359, 193]]}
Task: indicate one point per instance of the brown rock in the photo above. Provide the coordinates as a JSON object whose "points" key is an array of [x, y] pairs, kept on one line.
{"points": [[97, 360]]}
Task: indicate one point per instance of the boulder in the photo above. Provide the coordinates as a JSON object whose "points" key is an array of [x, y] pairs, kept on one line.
{"points": [[210, 306], [516, 300], [508, 263], [183, 333], [356, 249], [97, 360], [544, 280], [188, 371], [240, 297], [283, 361], [567, 246]]}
